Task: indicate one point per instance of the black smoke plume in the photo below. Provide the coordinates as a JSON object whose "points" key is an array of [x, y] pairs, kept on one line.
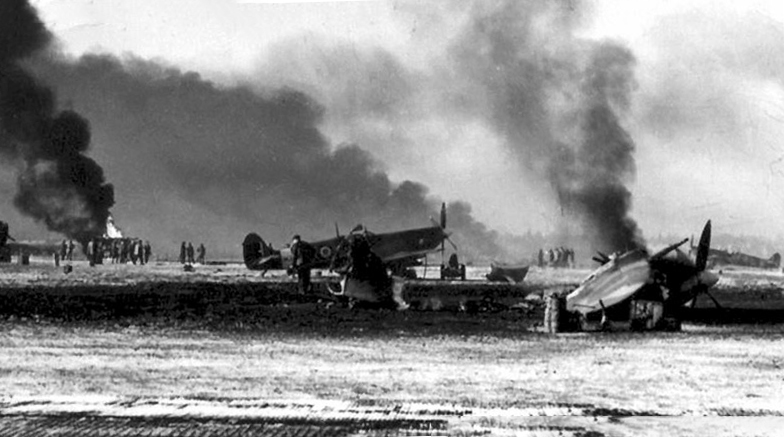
{"points": [[57, 184], [212, 163], [589, 177], [557, 100]]}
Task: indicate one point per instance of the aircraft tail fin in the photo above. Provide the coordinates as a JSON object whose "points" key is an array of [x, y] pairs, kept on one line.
{"points": [[776, 259], [254, 249], [703, 248]]}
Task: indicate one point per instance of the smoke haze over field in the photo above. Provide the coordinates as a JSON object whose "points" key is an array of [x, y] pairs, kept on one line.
{"points": [[246, 161], [524, 110], [546, 97]]}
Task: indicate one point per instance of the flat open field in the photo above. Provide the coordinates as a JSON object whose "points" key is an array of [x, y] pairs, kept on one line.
{"points": [[152, 350]]}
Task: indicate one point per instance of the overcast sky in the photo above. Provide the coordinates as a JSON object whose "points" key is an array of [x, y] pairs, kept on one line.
{"points": [[706, 113]]}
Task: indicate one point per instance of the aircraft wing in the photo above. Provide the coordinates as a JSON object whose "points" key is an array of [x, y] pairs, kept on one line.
{"points": [[34, 247], [612, 283]]}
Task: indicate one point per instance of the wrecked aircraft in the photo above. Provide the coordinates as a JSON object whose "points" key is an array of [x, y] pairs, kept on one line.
{"points": [[635, 290], [398, 251]]}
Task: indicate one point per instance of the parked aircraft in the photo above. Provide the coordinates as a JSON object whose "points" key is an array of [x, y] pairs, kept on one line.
{"points": [[637, 282], [9, 245], [398, 250], [721, 258], [505, 273]]}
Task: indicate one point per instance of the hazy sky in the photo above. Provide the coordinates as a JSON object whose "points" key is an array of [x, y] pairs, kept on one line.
{"points": [[706, 113]]}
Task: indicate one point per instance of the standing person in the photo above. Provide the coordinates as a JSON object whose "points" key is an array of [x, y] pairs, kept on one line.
{"points": [[140, 252], [540, 258], [124, 251], [183, 253], [147, 251], [189, 252], [63, 250], [302, 255], [116, 251], [202, 253], [70, 250], [134, 251], [90, 253]]}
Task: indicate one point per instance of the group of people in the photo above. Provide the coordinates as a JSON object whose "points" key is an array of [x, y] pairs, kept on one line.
{"points": [[66, 250], [556, 257], [119, 250], [190, 256], [123, 250]]}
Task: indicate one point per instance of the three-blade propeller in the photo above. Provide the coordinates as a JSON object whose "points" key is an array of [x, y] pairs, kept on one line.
{"points": [[704, 278], [442, 224]]}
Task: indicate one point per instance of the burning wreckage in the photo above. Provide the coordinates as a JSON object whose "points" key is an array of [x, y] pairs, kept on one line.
{"points": [[635, 290], [113, 245]]}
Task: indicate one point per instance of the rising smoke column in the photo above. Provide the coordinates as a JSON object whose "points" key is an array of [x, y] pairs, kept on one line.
{"points": [[556, 99], [589, 177], [57, 183]]}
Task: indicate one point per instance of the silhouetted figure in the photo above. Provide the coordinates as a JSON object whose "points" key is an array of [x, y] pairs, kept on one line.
{"points": [[91, 253], [125, 251], [183, 253], [71, 246], [540, 258], [133, 251], [189, 251], [201, 254], [116, 249], [302, 256], [63, 250], [140, 252], [147, 251]]}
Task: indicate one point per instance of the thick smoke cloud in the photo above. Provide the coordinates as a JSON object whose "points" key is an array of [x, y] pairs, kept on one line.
{"points": [[557, 99], [230, 160], [516, 73], [57, 183]]}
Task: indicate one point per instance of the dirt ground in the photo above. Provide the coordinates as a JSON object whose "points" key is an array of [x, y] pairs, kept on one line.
{"points": [[157, 351]]}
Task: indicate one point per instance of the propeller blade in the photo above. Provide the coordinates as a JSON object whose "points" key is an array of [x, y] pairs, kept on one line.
{"points": [[601, 258], [454, 246], [715, 302], [443, 215], [694, 300], [668, 249], [704, 247], [337, 230]]}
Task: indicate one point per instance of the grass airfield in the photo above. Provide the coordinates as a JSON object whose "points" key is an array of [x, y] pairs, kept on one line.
{"points": [[153, 350]]}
